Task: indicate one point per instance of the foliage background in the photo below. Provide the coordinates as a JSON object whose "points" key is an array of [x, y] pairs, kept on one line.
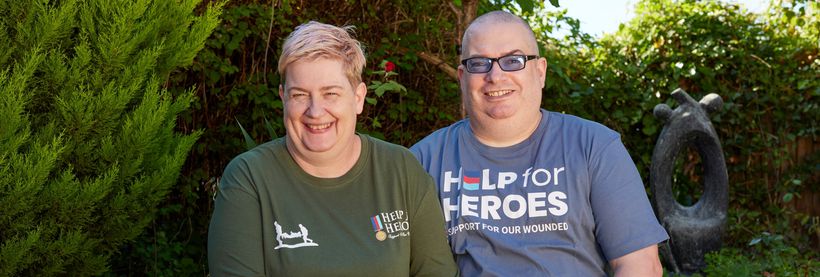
{"points": [[765, 67]]}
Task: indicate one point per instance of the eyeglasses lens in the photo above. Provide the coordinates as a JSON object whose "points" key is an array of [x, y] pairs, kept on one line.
{"points": [[511, 63], [484, 65]]}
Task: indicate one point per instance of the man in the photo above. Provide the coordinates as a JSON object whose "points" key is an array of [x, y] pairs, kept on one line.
{"points": [[528, 192]]}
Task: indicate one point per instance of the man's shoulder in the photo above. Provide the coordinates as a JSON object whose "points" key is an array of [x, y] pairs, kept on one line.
{"points": [[440, 136], [579, 122], [573, 123]]}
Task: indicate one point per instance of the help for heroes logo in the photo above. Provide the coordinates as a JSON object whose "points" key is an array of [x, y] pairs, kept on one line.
{"points": [[462, 193], [390, 225]]}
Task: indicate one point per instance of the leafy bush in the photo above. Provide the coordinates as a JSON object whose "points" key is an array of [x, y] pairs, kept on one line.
{"points": [[87, 144], [770, 255], [767, 79], [764, 67]]}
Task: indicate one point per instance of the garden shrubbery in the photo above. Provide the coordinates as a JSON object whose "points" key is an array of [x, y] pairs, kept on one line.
{"points": [[765, 67], [88, 146]]}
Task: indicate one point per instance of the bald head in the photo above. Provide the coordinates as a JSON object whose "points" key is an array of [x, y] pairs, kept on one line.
{"points": [[495, 18]]}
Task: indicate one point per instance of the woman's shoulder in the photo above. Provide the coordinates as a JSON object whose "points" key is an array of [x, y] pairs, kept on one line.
{"points": [[383, 147], [261, 154]]}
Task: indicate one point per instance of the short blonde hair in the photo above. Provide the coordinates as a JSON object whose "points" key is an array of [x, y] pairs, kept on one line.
{"points": [[314, 40]]}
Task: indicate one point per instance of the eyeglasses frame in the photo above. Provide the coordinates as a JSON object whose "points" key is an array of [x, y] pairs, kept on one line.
{"points": [[495, 61]]}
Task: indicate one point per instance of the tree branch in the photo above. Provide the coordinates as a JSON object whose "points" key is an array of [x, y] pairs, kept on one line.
{"points": [[469, 8], [468, 11], [438, 62]]}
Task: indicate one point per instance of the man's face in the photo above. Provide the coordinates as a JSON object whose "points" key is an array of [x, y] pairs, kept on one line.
{"points": [[320, 105], [500, 94]]}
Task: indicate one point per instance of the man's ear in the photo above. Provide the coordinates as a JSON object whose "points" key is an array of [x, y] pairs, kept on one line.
{"points": [[542, 71], [359, 93]]}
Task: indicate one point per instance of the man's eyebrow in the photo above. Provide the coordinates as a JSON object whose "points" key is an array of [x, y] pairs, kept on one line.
{"points": [[513, 52]]}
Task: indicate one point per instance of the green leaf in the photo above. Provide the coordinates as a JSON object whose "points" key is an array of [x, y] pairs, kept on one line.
{"points": [[270, 129], [249, 143], [527, 6], [650, 130], [394, 86], [755, 241], [389, 86], [788, 197], [374, 84], [379, 91]]}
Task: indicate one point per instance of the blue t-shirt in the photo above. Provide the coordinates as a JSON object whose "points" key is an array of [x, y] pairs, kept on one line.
{"points": [[563, 202]]}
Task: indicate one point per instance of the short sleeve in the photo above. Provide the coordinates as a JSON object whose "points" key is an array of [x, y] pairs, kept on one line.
{"points": [[624, 218], [235, 234]]}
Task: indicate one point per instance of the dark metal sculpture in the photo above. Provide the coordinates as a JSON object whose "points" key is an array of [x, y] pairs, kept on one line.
{"points": [[697, 229]]}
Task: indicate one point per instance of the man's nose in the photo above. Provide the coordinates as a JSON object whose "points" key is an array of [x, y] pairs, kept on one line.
{"points": [[495, 74]]}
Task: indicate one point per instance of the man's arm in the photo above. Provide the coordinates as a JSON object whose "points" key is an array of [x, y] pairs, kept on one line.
{"points": [[642, 262], [623, 215]]}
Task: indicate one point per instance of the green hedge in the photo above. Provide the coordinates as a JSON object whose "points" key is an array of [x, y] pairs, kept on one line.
{"points": [[87, 142], [767, 78]]}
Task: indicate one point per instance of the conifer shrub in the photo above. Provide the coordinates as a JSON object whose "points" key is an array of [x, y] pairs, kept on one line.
{"points": [[87, 141]]}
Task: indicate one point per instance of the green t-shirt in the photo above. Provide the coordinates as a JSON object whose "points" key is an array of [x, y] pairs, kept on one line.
{"points": [[381, 218]]}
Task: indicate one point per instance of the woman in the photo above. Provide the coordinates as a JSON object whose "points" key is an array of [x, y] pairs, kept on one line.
{"points": [[324, 200]]}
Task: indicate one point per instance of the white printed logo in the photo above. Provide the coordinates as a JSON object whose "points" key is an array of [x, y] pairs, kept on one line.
{"points": [[390, 225], [292, 239], [466, 199]]}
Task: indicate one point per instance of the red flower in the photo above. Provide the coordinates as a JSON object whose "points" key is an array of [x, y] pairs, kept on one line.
{"points": [[389, 66]]}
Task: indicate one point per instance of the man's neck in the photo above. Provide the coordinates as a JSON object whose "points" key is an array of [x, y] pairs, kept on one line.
{"points": [[504, 132]]}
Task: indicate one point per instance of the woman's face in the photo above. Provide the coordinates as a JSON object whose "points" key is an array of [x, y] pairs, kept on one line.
{"points": [[320, 105]]}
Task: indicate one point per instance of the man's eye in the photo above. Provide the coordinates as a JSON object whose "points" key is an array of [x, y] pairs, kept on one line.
{"points": [[478, 62], [512, 61], [298, 95]]}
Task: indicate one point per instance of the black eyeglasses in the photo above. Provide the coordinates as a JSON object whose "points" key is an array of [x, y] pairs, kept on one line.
{"points": [[507, 63]]}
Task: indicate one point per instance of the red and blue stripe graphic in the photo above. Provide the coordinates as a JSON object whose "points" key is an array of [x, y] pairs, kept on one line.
{"points": [[377, 223], [471, 179]]}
